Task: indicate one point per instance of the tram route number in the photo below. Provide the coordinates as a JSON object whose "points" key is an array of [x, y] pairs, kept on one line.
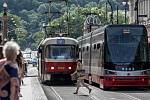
{"points": [[61, 67]]}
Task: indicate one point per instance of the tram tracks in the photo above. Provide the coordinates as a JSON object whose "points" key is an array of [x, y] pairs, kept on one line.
{"points": [[57, 95], [133, 98], [66, 93]]}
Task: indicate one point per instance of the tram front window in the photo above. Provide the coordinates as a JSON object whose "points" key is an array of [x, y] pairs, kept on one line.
{"points": [[122, 49], [61, 52], [126, 48]]}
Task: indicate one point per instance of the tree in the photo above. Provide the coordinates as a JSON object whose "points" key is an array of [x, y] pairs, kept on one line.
{"points": [[31, 16]]}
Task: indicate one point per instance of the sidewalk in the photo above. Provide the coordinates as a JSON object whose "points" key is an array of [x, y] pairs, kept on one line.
{"points": [[31, 89]]}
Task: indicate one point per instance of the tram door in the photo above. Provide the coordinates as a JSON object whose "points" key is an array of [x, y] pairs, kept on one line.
{"points": [[40, 60]]}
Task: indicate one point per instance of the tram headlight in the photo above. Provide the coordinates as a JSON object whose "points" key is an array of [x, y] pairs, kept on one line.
{"points": [[69, 67], [143, 79], [52, 68]]}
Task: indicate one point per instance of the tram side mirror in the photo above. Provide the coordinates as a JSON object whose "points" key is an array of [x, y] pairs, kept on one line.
{"points": [[40, 49]]}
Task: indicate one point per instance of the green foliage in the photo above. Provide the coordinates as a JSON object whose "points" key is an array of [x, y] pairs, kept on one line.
{"points": [[38, 36], [16, 29], [32, 15]]}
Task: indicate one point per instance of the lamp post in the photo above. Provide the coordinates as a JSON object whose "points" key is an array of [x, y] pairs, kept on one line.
{"points": [[112, 13], [49, 10], [106, 11], [11, 32], [91, 21], [44, 26], [125, 5], [117, 15], [5, 20], [137, 11]]}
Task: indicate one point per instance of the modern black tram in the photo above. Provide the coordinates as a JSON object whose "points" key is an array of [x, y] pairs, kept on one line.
{"points": [[116, 56]]}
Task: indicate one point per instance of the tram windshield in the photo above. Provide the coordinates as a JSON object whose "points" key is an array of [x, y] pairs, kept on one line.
{"points": [[61, 52], [125, 49]]}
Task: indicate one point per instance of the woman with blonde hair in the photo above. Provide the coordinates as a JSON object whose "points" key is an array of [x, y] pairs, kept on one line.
{"points": [[9, 83]]}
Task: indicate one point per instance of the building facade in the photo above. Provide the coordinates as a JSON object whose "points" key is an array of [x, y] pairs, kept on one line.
{"points": [[143, 12]]}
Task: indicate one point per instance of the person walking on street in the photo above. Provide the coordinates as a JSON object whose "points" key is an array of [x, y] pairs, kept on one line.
{"points": [[81, 76], [9, 83]]}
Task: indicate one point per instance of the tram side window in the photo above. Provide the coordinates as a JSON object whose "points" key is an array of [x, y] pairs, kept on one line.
{"points": [[94, 46], [87, 48], [143, 53], [79, 49], [83, 49], [98, 45]]}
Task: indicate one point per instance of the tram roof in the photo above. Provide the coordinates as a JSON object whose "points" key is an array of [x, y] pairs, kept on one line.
{"points": [[44, 41], [101, 29], [97, 31]]}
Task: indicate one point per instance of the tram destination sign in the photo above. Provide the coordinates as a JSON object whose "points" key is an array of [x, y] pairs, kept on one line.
{"points": [[142, 15], [60, 41]]}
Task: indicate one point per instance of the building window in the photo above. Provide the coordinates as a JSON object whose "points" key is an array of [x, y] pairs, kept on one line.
{"points": [[94, 46], [87, 48], [79, 49], [98, 45], [83, 49], [148, 21]]}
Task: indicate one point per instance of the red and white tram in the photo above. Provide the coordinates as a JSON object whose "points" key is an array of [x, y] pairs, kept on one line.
{"points": [[57, 57], [116, 56]]}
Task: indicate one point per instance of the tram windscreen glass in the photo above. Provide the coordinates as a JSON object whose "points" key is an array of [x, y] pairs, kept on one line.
{"points": [[124, 48], [61, 52]]}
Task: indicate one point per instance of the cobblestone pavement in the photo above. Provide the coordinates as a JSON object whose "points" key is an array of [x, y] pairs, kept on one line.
{"points": [[31, 89]]}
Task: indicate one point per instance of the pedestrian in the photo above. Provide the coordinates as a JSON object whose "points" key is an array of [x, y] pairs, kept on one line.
{"points": [[9, 82], [81, 76], [21, 65], [25, 67]]}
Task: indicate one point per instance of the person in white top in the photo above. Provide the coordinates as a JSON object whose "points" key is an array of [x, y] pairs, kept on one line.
{"points": [[81, 76]]}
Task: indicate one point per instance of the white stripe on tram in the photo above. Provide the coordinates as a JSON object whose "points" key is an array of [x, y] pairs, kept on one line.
{"points": [[64, 60]]}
